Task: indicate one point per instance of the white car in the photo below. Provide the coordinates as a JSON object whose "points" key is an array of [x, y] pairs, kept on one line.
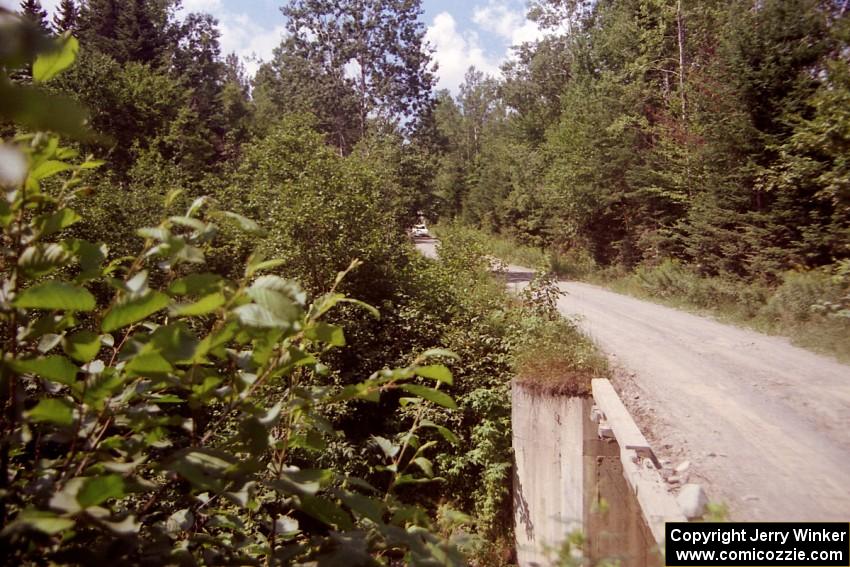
{"points": [[419, 231]]}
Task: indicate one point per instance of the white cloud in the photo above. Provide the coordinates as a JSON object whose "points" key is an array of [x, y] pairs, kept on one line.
{"points": [[455, 52], [208, 6], [508, 22], [252, 42]]}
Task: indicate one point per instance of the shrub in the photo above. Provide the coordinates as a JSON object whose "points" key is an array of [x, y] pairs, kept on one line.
{"points": [[799, 294], [176, 421]]}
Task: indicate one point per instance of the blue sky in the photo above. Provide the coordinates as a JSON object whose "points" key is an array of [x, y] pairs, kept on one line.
{"points": [[463, 32]]}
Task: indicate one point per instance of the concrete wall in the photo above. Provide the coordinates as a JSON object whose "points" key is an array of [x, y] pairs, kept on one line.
{"points": [[566, 479], [548, 491], [614, 521]]}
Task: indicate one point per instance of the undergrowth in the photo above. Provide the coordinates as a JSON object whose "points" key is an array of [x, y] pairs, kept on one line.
{"points": [[508, 336], [811, 307]]}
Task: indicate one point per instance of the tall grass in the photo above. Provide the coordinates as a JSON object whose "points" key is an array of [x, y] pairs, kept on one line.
{"points": [[810, 307], [805, 306], [574, 264]]}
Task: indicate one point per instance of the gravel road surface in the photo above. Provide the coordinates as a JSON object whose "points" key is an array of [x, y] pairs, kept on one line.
{"points": [[764, 425]]}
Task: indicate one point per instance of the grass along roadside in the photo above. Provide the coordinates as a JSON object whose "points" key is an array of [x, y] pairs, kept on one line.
{"points": [[549, 352], [810, 307]]}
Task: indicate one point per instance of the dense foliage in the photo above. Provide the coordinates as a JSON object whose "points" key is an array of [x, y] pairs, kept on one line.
{"points": [[709, 132], [698, 149], [182, 384]]}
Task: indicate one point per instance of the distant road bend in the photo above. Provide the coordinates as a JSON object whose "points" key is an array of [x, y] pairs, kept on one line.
{"points": [[765, 425]]}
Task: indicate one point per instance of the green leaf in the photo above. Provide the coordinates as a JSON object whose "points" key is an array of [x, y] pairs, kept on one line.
{"points": [[444, 431], [52, 410], [99, 489], [388, 448], [127, 526], [41, 259], [282, 297], [305, 482], [48, 65], [434, 352], [60, 220], [365, 506], [134, 310], [6, 215], [43, 521], [410, 479], [148, 364], [151, 233], [195, 224], [37, 109], [326, 333], [55, 367], [364, 391], [48, 169], [196, 205], [253, 315], [326, 511], [430, 394], [54, 294], [205, 469], [203, 306], [436, 372], [256, 265], [425, 465], [311, 441], [180, 520], [243, 223], [196, 284], [90, 257], [92, 164], [82, 346]]}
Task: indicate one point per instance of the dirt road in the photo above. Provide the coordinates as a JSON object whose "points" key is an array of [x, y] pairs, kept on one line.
{"points": [[764, 424]]}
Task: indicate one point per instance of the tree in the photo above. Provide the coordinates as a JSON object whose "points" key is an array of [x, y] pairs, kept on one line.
{"points": [[197, 62], [66, 17], [534, 80], [234, 100], [33, 11], [98, 25], [136, 30], [292, 84], [375, 45]]}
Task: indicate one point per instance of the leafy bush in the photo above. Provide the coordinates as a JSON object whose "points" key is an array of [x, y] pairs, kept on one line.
{"points": [[670, 280], [499, 336], [322, 210], [798, 297], [175, 421], [575, 263]]}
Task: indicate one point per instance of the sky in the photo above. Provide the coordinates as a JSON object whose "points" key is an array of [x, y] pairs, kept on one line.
{"points": [[462, 32]]}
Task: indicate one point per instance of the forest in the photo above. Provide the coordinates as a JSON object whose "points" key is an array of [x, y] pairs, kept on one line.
{"points": [[219, 345], [694, 151]]}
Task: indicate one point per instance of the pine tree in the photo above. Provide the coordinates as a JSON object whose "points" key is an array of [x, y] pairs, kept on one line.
{"points": [[33, 11], [144, 32], [66, 16], [132, 30], [98, 25]]}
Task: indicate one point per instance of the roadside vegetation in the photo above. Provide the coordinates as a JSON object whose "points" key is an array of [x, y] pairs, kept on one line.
{"points": [[219, 345], [239, 356], [690, 152], [811, 307]]}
